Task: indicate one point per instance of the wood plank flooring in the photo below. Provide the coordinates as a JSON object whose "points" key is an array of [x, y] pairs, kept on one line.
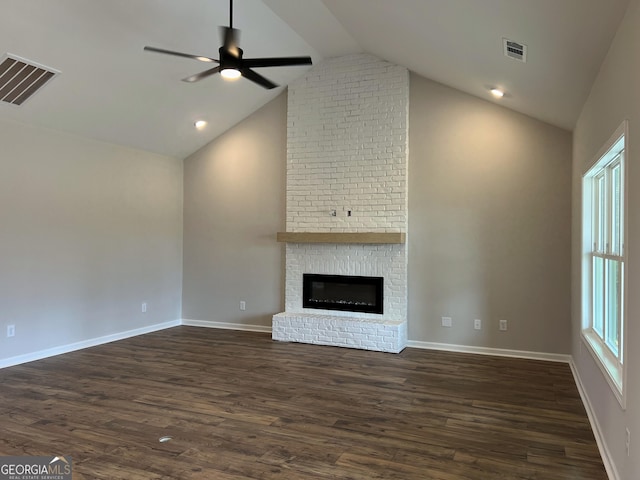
{"points": [[240, 406]]}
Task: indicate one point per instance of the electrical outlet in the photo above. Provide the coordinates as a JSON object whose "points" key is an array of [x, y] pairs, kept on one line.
{"points": [[11, 331], [627, 442], [144, 308], [503, 325], [477, 324], [243, 305], [446, 321]]}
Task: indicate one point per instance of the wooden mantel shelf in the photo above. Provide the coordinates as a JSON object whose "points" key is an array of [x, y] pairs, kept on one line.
{"points": [[342, 237]]}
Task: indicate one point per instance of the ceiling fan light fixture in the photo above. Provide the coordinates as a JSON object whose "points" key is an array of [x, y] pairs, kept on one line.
{"points": [[230, 73]]}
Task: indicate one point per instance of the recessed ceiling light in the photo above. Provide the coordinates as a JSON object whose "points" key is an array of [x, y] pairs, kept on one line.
{"points": [[230, 73], [200, 124], [496, 92]]}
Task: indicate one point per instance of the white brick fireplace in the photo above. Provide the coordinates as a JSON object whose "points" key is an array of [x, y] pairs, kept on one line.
{"points": [[347, 157]]}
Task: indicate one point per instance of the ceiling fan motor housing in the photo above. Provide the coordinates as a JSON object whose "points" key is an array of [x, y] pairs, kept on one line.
{"points": [[229, 58]]}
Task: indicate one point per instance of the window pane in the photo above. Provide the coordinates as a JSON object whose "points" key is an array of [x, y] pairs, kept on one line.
{"points": [[598, 296], [613, 298], [616, 209], [600, 220]]}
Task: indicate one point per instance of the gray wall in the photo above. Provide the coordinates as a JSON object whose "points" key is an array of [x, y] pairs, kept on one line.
{"points": [[615, 96], [234, 204], [88, 231], [489, 223]]}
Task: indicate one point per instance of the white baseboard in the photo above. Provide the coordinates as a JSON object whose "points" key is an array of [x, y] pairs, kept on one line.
{"points": [[51, 352], [499, 352], [226, 326], [609, 466]]}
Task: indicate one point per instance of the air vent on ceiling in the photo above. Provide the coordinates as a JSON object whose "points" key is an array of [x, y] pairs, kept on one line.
{"points": [[20, 79], [515, 50]]}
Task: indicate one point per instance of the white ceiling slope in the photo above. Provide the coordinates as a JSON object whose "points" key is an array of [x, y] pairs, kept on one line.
{"points": [[459, 43], [111, 90]]}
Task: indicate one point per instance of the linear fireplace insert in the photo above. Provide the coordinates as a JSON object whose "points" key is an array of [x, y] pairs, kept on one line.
{"points": [[342, 292]]}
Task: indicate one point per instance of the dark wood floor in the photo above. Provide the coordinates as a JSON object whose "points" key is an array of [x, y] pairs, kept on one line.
{"points": [[240, 406]]}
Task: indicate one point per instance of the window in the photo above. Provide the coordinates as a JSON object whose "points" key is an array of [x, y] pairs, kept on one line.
{"points": [[603, 272]]}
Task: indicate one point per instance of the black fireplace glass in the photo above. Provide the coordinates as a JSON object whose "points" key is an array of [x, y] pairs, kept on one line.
{"points": [[343, 292]]}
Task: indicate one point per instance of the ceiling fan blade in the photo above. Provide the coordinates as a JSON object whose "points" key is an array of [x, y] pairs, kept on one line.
{"points": [[230, 38], [257, 78], [180, 54], [275, 62], [199, 76]]}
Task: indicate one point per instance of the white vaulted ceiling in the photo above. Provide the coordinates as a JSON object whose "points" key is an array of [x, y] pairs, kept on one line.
{"points": [[110, 89]]}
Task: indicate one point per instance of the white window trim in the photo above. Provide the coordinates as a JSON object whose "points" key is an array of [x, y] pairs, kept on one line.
{"points": [[614, 372]]}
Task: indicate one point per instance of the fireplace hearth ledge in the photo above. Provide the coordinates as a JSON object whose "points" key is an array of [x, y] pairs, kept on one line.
{"points": [[376, 334]]}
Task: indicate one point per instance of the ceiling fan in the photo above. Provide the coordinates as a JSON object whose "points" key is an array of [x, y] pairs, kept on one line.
{"points": [[231, 64]]}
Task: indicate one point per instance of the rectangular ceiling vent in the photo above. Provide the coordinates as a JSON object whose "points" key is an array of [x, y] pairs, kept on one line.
{"points": [[20, 79], [515, 50]]}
